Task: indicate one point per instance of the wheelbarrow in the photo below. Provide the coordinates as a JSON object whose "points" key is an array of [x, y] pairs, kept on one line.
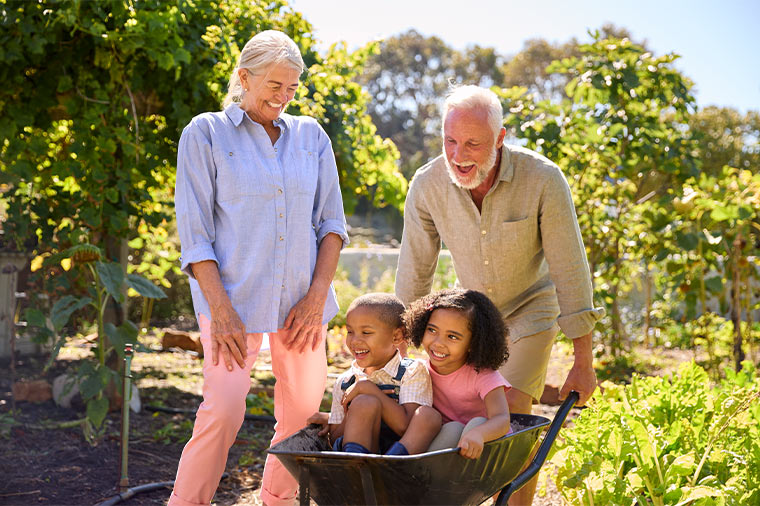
{"points": [[434, 478]]}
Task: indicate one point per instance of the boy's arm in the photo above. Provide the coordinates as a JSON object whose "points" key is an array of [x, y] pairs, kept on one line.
{"points": [[394, 415], [471, 443]]}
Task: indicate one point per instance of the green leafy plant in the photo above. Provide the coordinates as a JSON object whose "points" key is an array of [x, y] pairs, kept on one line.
{"points": [[107, 281], [674, 441]]}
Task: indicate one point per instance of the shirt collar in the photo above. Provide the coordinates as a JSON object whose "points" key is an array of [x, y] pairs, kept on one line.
{"points": [[236, 115], [391, 368]]}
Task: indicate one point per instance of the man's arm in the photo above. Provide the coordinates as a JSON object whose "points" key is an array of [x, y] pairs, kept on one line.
{"points": [[420, 245], [569, 270]]}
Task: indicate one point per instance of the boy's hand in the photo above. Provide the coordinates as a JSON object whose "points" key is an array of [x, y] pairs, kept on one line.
{"points": [[360, 387], [321, 419], [471, 444]]}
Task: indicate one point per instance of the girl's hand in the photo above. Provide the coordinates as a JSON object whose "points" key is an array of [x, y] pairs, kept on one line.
{"points": [[471, 444]]}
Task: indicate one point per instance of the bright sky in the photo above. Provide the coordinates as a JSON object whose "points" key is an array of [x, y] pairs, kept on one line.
{"points": [[718, 40]]}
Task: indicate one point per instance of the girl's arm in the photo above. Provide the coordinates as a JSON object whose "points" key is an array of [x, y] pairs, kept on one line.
{"points": [[471, 443]]}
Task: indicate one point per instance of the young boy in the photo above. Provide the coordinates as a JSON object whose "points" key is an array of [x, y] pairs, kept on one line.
{"points": [[383, 403]]}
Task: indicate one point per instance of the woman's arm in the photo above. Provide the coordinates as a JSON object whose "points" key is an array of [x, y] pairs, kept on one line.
{"points": [[227, 330], [305, 318], [471, 443]]}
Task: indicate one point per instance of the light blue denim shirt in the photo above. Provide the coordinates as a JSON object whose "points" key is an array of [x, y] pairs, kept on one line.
{"points": [[259, 211]]}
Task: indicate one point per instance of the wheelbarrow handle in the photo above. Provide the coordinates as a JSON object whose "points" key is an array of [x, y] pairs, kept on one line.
{"points": [[543, 450]]}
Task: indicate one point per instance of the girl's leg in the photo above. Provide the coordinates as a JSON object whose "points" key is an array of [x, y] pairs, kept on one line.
{"points": [[298, 393], [217, 422], [423, 427], [448, 437]]}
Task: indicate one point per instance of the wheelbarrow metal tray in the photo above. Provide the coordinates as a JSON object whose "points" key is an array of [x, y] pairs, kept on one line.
{"points": [[435, 478]]}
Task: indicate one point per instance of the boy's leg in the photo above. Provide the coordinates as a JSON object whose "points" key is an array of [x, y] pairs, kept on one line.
{"points": [[448, 437], [298, 390], [217, 422], [422, 429], [363, 422]]}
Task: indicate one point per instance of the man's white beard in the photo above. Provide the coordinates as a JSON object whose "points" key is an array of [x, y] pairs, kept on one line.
{"points": [[481, 171]]}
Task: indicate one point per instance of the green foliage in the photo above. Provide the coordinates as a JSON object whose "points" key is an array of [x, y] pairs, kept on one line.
{"points": [[621, 140], [259, 404], [660, 441], [107, 281]]}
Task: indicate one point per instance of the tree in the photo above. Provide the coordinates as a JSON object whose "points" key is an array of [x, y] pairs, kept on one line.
{"points": [[622, 142], [96, 93], [727, 138]]}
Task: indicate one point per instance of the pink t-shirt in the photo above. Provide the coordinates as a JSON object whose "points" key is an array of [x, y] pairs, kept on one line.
{"points": [[460, 395]]}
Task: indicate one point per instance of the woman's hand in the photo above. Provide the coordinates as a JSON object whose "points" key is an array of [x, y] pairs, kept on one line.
{"points": [[304, 322], [471, 444], [228, 336]]}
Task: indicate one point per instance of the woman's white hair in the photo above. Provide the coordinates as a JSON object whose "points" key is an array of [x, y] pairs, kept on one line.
{"points": [[265, 49], [475, 97]]}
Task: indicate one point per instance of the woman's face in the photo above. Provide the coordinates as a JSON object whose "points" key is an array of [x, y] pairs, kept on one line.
{"points": [[268, 94]]}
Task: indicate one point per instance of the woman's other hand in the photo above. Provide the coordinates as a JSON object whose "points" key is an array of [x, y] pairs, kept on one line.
{"points": [[304, 322], [228, 336]]}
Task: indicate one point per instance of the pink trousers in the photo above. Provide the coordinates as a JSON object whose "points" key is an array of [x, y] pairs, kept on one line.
{"points": [[300, 384]]}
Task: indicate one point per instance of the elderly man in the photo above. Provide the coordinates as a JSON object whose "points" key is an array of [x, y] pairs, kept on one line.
{"points": [[507, 216]]}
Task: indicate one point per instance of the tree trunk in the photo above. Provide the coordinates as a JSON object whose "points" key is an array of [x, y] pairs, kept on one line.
{"points": [[648, 307], [736, 310]]}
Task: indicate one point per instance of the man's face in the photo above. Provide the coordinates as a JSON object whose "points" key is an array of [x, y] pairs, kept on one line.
{"points": [[469, 146]]}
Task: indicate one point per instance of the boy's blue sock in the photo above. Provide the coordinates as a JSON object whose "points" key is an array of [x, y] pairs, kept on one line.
{"points": [[337, 444], [354, 448], [397, 449]]}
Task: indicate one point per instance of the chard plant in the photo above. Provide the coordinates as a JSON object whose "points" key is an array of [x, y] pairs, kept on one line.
{"points": [[666, 441]]}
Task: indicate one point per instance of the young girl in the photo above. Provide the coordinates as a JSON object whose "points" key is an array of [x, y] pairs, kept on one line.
{"points": [[466, 341]]}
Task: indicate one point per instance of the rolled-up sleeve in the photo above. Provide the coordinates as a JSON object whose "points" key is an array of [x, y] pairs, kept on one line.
{"points": [[420, 246], [566, 256], [327, 215], [194, 198]]}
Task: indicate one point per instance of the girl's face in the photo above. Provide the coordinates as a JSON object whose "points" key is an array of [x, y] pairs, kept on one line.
{"points": [[447, 340]]}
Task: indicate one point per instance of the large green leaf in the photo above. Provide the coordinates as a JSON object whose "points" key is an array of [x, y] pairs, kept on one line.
{"points": [[64, 308], [94, 383], [121, 335], [714, 284], [112, 276], [97, 410], [144, 287]]}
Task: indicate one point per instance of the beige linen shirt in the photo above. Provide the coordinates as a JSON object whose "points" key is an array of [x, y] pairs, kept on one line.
{"points": [[524, 250]]}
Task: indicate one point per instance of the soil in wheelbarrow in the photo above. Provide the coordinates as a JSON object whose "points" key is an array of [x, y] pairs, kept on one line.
{"points": [[52, 466]]}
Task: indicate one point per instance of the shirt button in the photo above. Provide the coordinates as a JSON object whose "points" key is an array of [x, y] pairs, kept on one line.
{"points": [[486, 262], [483, 232], [230, 153], [490, 290], [281, 238], [279, 190], [280, 215]]}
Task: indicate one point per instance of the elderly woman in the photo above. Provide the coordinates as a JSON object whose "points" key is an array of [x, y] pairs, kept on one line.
{"points": [[260, 218]]}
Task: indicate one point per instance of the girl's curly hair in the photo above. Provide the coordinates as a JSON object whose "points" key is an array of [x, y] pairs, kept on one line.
{"points": [[488, 345]]}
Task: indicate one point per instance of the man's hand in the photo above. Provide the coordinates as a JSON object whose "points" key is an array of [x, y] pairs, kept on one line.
{"points": [[581, 377], [305, 324], [228, 336], [471, 444]]}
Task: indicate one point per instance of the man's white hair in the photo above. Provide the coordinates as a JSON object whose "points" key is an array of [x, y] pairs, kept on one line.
{"points": [[265, 49], [474, 97]]}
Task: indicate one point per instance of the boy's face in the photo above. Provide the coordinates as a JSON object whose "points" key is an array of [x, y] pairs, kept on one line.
{"points": [[371, 341]]}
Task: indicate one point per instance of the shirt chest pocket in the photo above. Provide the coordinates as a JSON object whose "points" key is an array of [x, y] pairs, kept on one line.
{"points": [[239, 174], [305, 170], [519, 235]]}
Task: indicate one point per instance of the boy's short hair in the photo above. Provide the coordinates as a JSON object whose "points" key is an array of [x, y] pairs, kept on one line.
{"points": [[389, 308]]}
